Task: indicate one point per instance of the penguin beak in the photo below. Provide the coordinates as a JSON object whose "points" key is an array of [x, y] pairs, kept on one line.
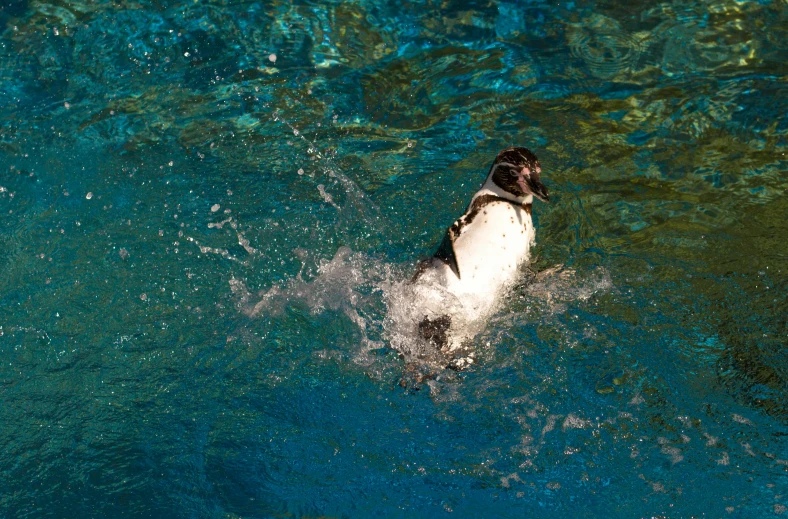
{"points": [[533, 186], [537, 189]]}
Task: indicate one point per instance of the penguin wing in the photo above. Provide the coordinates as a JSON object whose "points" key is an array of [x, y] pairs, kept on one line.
{"points": [[445, 252]]}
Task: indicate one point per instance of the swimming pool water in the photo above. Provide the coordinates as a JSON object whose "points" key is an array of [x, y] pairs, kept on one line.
{"points": [[205, 206]]}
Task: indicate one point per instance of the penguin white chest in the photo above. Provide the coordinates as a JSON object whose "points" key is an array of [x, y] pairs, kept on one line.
{"points": [[490, 248]]}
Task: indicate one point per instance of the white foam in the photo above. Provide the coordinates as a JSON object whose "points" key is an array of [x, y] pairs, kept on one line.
{"points": [[407, 305], [342, 284]]}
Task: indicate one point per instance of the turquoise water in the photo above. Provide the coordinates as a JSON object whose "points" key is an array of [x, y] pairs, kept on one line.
{"points": [[206, 207]]}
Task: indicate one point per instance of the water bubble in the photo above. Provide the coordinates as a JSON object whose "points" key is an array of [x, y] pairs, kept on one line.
{"points": [[272, 58], [89, 195], [215, 207]]}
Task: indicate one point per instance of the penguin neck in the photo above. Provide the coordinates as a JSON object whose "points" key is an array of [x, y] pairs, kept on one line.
{"points": [[490, 188]]}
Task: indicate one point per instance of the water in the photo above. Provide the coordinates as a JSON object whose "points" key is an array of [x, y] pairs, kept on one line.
{"points": [[199, 238]]}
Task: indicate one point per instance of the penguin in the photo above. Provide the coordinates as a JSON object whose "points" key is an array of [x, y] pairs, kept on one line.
{"points": [[460, 286]]}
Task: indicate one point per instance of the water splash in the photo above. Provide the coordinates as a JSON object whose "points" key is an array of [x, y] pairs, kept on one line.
{"points": [[350, 283], [553, 289], [357, 209], [328, 168], [386, 308]]}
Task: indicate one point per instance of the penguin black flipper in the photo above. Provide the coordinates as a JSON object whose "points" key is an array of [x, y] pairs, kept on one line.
{"points": [[445, 252], [436, 331]]}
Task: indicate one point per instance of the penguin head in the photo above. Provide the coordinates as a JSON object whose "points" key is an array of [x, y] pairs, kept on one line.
{"points": [[517, 171]]}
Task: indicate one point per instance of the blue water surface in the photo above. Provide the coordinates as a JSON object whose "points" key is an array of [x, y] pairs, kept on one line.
{"points": [[206, 206]]}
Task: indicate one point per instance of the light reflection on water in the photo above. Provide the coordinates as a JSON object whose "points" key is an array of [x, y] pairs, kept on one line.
{"points": [[162, 358]]}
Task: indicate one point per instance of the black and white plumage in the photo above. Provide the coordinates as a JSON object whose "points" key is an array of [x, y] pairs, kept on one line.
{"points": [[455, 291]]}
